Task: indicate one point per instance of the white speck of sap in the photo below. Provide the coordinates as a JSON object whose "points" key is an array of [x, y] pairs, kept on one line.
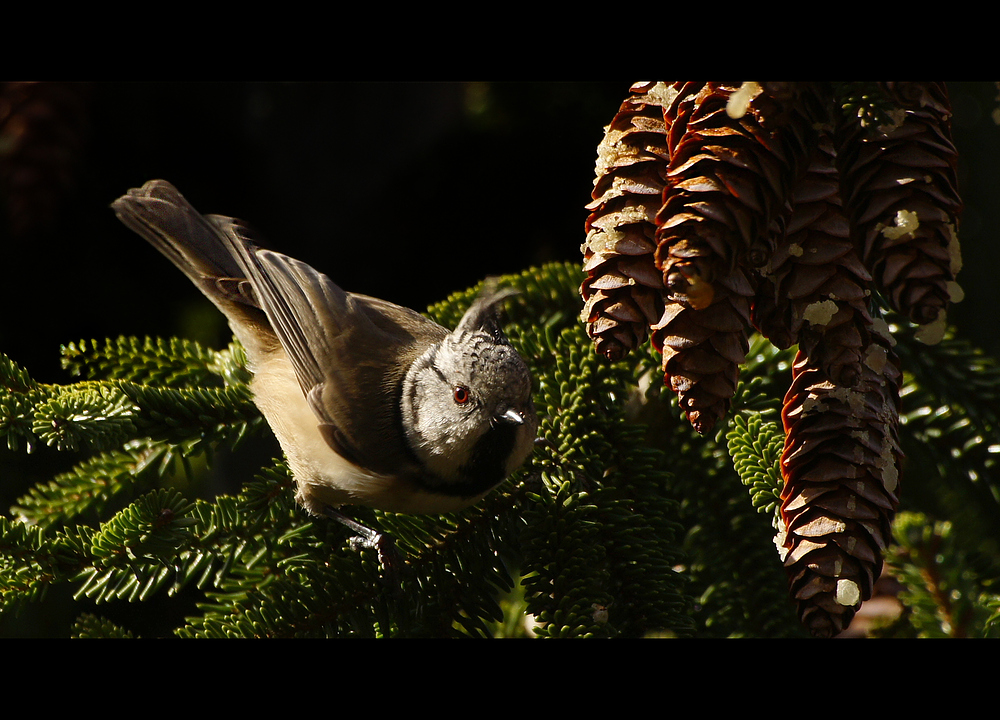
{"points": [[739, 101], [848, 592], [907, 223]]}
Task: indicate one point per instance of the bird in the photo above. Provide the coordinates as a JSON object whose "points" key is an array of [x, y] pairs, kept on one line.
{"points": [[372, 403]]}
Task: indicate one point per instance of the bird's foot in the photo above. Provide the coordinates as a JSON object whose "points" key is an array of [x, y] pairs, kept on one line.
{"points": [[384, 544]]}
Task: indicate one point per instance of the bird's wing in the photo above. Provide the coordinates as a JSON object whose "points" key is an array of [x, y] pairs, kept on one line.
{"points": [[349, 352]]}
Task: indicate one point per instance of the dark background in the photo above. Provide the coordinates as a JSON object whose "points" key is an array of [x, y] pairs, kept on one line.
{"points": [[406, 191]]}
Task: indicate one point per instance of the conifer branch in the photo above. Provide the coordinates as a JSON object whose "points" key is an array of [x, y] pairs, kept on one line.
{"points": [[943, 589], [266, 570], [146, 361], [609, 531], [92, 626]]}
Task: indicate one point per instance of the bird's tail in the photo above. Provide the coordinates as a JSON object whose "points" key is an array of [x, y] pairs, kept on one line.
{"points": [[203, 247]]}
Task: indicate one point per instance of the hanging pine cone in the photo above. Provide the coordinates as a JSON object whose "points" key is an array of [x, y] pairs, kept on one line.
{"points": [[814, 291], [42, 131], [727, 186], [623, 290], [841, 470], [900, 192]]}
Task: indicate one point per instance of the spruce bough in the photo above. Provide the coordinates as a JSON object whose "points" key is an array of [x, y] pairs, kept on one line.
{"points": [[624, 523]]}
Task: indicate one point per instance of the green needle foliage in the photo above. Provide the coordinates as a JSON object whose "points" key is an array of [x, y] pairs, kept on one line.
{"points": [[944, 591], [624, 522], [755, 447]]}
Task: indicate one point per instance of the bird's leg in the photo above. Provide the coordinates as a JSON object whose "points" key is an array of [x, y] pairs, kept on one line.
{"points": [[364, 537]]}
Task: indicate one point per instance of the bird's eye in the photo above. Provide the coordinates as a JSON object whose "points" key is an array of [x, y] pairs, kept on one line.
{"points": [[461, 394]]}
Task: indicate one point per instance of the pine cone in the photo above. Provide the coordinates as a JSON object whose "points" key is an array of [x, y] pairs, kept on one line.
{"points": [[623, 290], [815, 290], [716, 206], [773, 211], [900, 192], [840, 466], [727, 186], [703, 349]]}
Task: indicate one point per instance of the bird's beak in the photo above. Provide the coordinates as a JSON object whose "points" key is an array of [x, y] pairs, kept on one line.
{"points": [[511, 416]]}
